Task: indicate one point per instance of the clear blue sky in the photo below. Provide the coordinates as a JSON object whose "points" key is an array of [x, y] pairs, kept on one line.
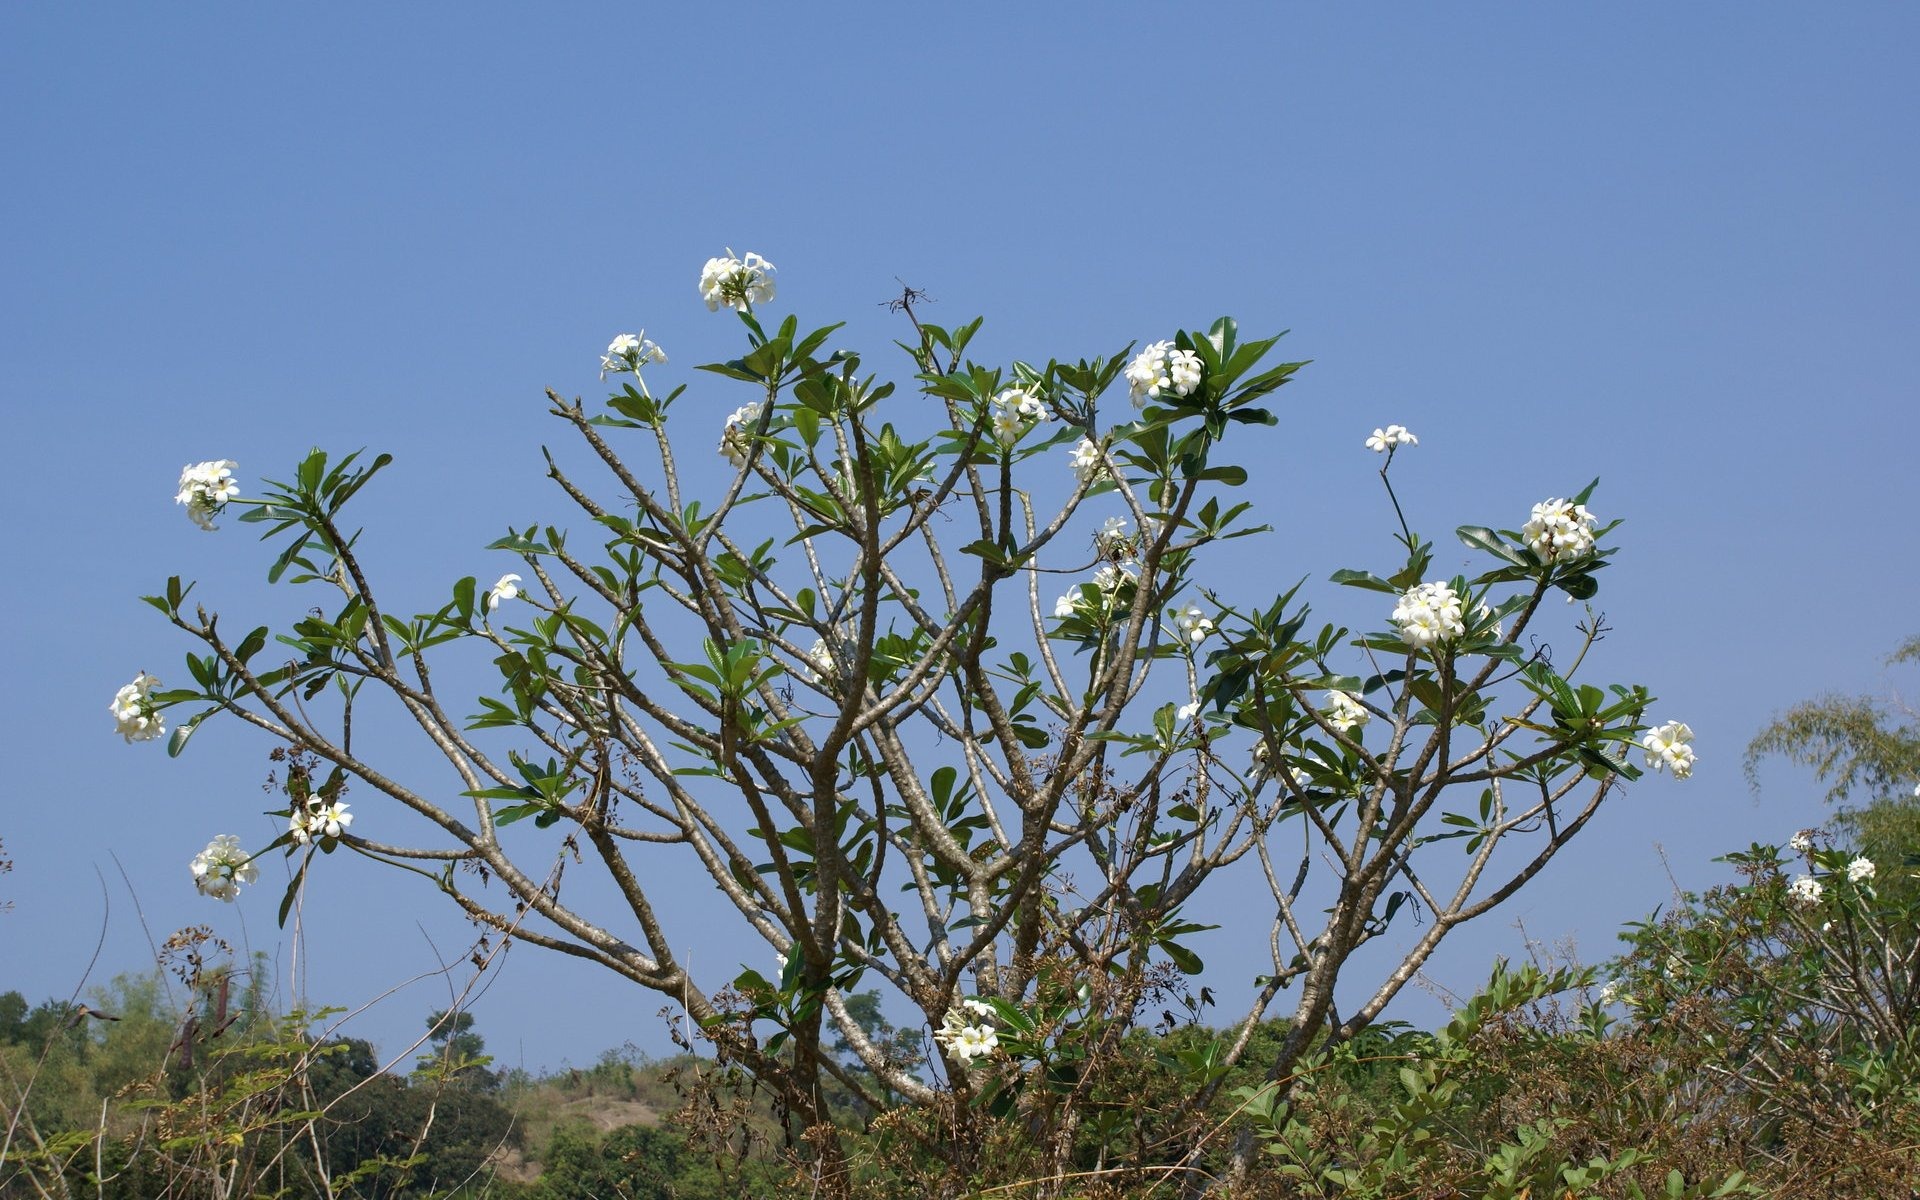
{"points": [[1670, 245]]}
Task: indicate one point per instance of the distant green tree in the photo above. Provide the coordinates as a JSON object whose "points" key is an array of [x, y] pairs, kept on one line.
{"points": [[13, 1016], [640, 1162], [132, 1045], [903, 1049], [368, 1123], [458, 1054], [397, 1139], [465, 1128], [1855, 744], [1866, 749]]}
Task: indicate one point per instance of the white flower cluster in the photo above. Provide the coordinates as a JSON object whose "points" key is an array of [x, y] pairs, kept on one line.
{"points": [[1112, 581], [1161, 370], [1428, 614], [1860, 870], [1390, 438], [832, 652], [1087, 464], [736, 283], [734, 438], [1614, 991], [1014, 412], [1559, 531], [507, 589], [967, 1040], [1344, 712], [134, 717], [221, 869], [1257, 770], [821, 658], [1193, 624], [630, 352], [1801, 842], [1114, 540], [317, 818], [205, 489], [1669, 747], [1805, 889]]}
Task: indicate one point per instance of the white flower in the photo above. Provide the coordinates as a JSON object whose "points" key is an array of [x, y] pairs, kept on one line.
{"points": [[1860, 870], [1114, 583], [1114, 540], [1188, 712], [1193, 624], [736, 283], [134, 717], [630, 352], [1392, 436], [1344, 712], [979, 1008], [205, 489], [333, 818], [1160, 370], [735, 436], [1428, 614], [1805, 889], [976, 1041], [319, 819], [1611, 992], [1667, 749], [1014, 411], [1113, 579], [1801, 842], [821, 656], [1559, 531], [1087, 463], [507, 589], [222, 868], [963, 1041]]}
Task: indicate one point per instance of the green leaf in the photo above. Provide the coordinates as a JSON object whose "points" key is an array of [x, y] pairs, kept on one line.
{"points": [[1580, 587], [732, 371], [1232, 476], [177, 740], [251, 644], [1479, 537], [985, 548], [1188, 962], [518, 812], [293, 889], [1364, 579]]}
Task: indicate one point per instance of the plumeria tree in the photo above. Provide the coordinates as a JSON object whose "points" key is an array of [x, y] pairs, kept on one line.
{"points": [[949, 694], [1792, 994]]}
